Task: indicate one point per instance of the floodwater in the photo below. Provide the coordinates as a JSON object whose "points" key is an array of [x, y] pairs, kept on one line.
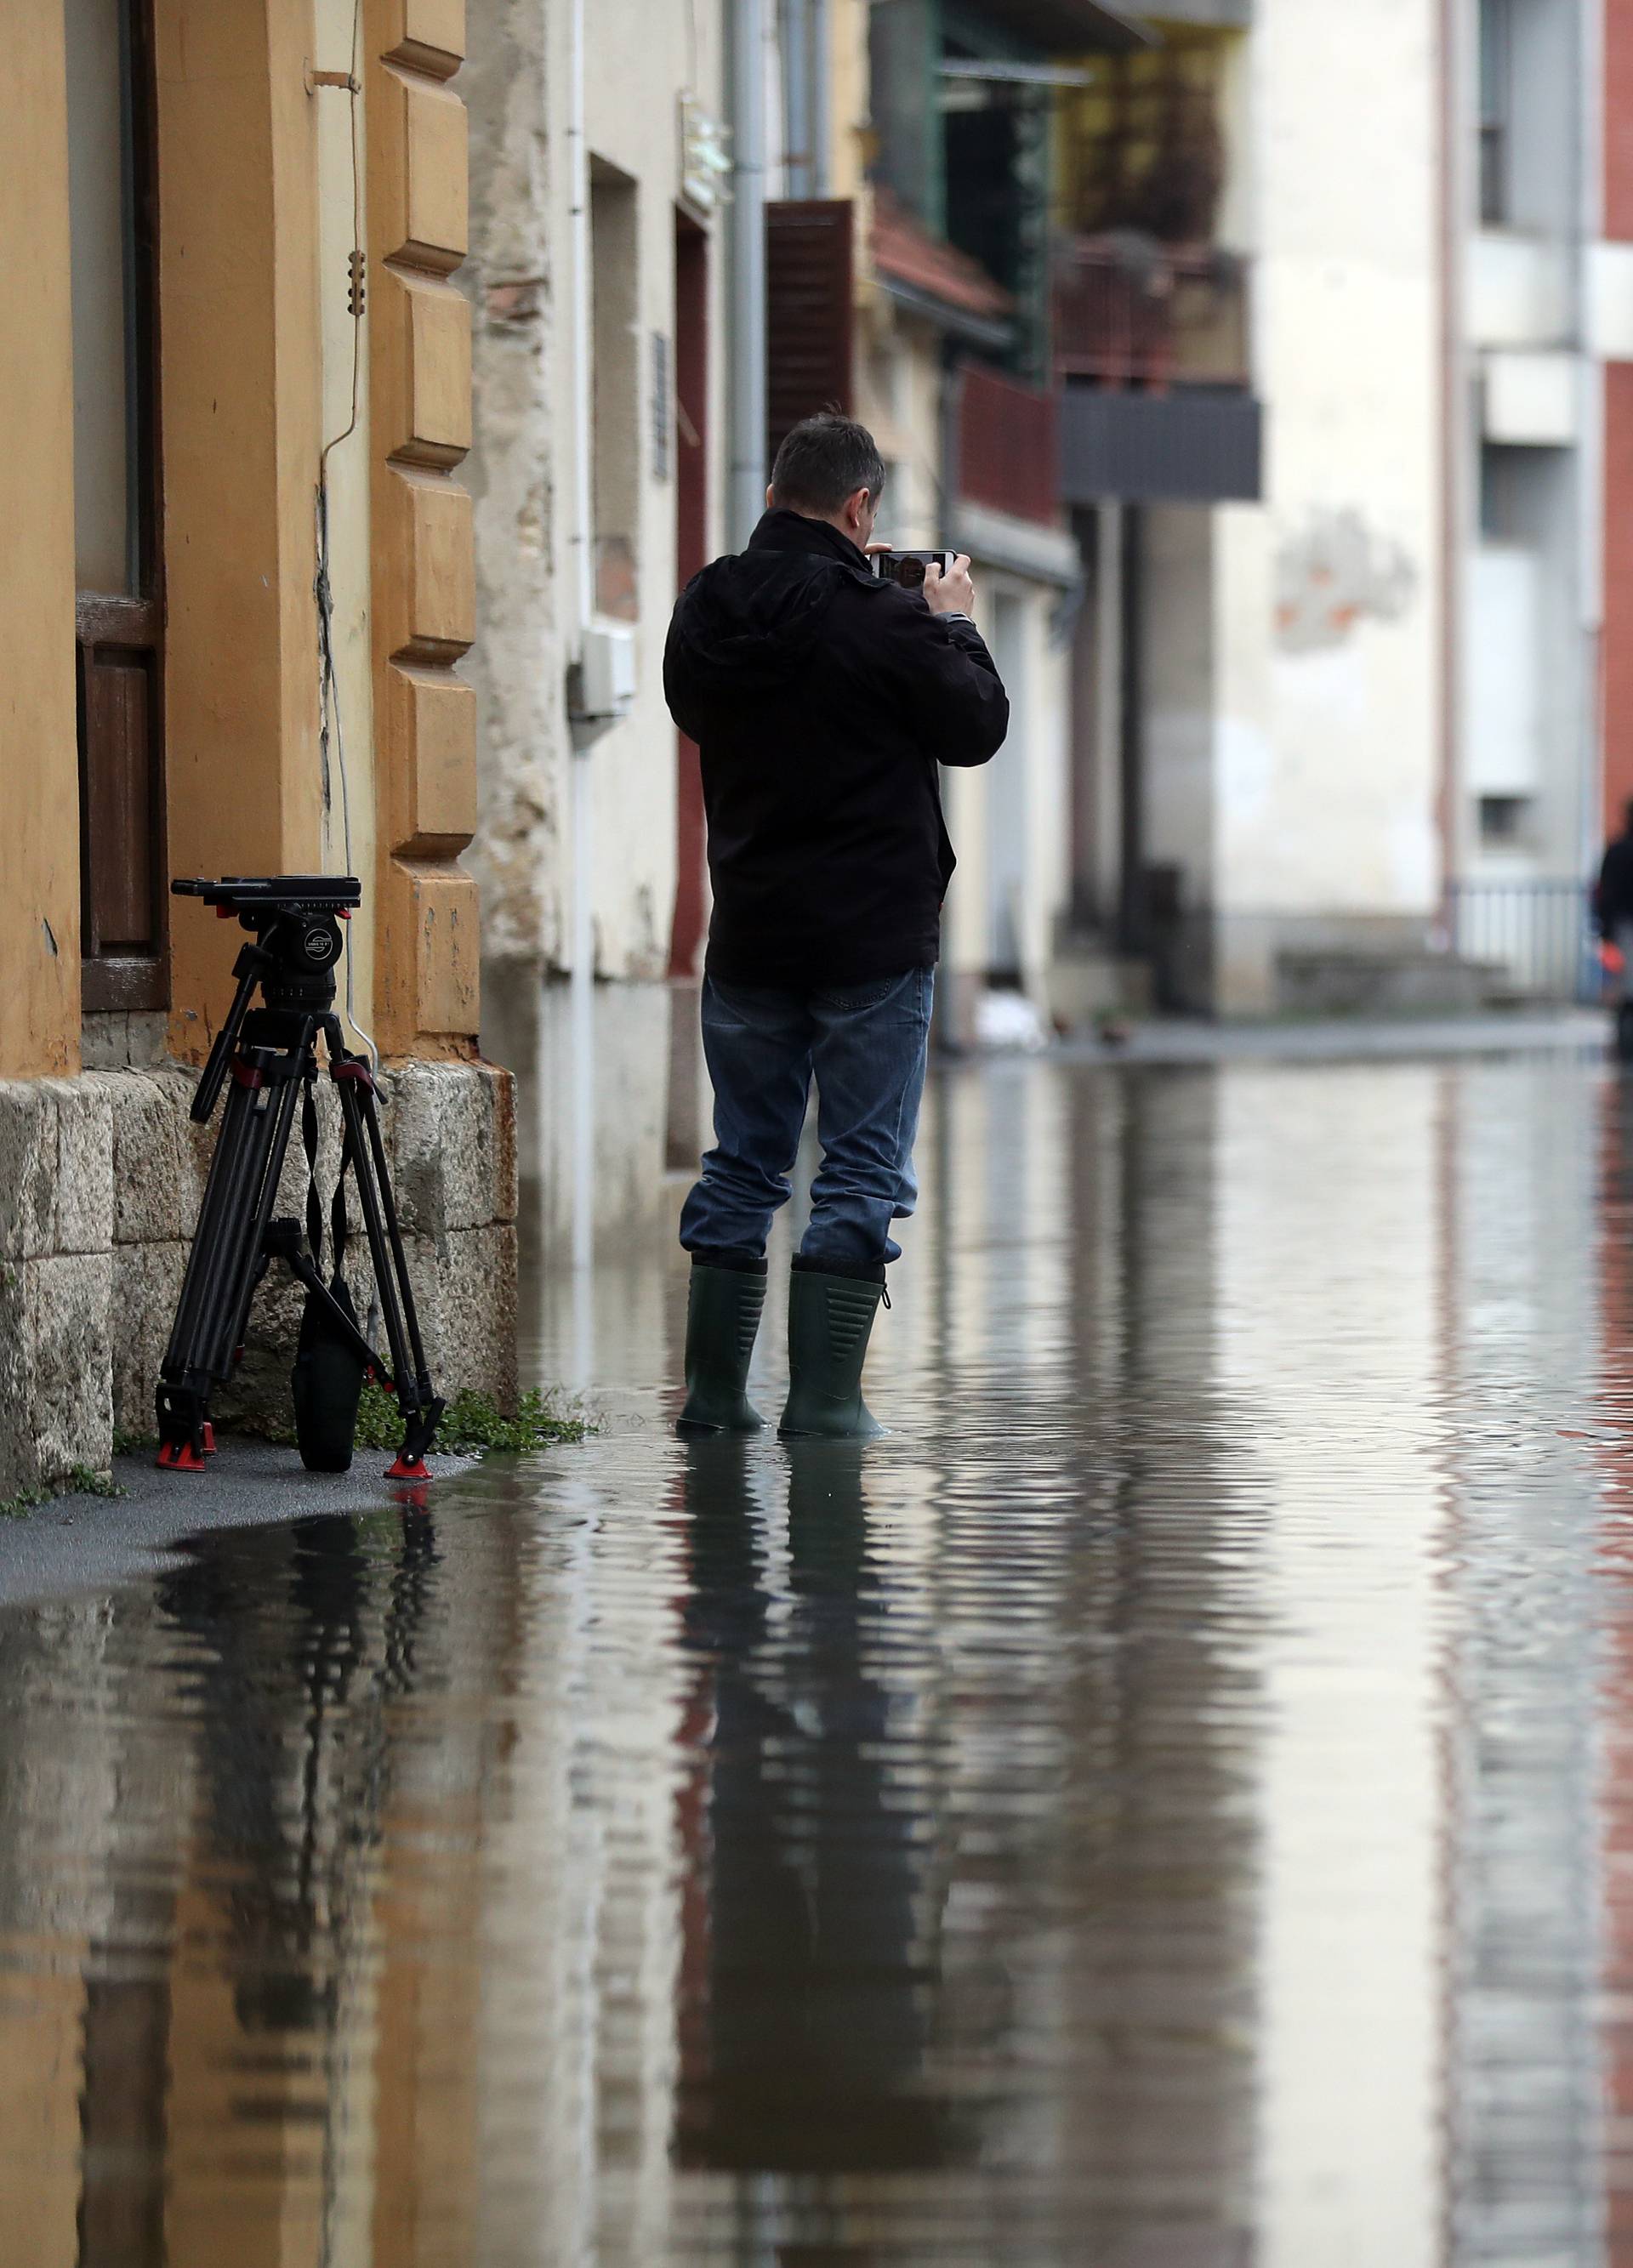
{"points": [[1168, 1805]]}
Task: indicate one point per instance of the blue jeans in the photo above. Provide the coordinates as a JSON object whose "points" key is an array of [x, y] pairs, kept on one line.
{"points": [[866, 1045]]}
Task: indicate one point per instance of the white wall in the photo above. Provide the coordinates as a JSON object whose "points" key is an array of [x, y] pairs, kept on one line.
{"points": [[637, 57], [640, 54], [898, 398], [1330, 808], [1013, 816], [1178, 659]]}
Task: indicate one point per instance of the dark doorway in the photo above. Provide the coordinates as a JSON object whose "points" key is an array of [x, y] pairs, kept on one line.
{"points": [[113, 202], [692, 547], [691, 509]]}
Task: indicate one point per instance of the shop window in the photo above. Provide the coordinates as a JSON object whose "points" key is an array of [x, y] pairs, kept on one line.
{"points": [[112, 208]]}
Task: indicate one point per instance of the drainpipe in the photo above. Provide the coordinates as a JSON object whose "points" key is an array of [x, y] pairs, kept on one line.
{"points": [[794, 47], [746, 492], [1455, 440], [1590, 474], [582, 946], [818, 101]]}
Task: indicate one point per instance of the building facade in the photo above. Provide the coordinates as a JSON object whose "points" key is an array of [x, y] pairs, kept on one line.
{"points": [[603, 350], [1341, 390], [237, 409]]}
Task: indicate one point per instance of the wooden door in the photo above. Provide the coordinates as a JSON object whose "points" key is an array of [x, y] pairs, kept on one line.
{"points": [[120, 615], [810, 321], [691, 421]]}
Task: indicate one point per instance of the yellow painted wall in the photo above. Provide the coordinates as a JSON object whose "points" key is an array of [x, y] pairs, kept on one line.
{"points": [[344, 339], [424, 600], [255, 217], [240, 398], [38, 763]]}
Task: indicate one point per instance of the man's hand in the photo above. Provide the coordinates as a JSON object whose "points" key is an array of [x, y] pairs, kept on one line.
{"points": [[952, 593]]}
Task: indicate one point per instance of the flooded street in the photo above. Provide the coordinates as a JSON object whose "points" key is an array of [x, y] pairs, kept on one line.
{"points": [[1170, 1805]]}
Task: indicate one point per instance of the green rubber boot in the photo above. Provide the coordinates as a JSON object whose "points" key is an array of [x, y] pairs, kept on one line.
{"points": [[829, 1319], [722, 1315]]}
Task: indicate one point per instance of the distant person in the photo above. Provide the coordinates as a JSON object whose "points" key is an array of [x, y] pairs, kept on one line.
{"points": [[1613, 908], [823, 699]]}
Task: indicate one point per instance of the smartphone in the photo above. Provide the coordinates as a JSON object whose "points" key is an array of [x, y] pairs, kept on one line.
{"points": [[906, 568]]}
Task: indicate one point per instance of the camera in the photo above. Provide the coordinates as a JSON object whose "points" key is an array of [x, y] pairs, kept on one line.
{"points": [[294, 920], [295, 917], [271, 894], [907, 569]]}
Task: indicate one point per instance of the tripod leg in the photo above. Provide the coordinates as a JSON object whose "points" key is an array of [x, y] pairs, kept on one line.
{"points": [[229, 1168], [215, 1267], [265, 1199], [421, 1409], [225, 1263]]}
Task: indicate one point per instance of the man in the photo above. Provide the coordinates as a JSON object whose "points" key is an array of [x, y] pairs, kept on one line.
{"points": [[1612, 908], [822, 700]]}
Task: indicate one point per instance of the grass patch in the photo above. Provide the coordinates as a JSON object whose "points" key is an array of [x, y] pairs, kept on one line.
{"points": [[133, 1445], [473, 1425], [78, 1480]]}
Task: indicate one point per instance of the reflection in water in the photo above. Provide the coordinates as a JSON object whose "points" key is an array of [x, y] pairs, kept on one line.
{"points": [[809, 1873], [1169, 1806]]}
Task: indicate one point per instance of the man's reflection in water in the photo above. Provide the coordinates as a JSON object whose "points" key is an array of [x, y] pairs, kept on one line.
{"points": [[811, 1964]]}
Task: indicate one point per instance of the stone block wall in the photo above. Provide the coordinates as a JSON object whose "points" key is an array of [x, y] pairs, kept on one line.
{"points": [[100, 1179]]}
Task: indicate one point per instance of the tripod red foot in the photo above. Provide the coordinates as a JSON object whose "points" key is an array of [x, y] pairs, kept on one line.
{"points": [[180, 1457], [407, 1469]]}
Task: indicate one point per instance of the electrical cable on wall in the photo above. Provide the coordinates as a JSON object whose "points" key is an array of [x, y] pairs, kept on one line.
{"points": [[329, 721]]}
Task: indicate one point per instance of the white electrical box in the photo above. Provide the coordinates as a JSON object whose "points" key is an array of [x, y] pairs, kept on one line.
{"points": [[605, 689]]}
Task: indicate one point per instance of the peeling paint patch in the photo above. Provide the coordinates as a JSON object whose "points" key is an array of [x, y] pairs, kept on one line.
{"points": [[1331, 574]]}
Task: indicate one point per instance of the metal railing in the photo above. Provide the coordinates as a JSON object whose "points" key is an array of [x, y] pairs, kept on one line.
{"points": [[1129, 311], [1008, 445], [1537, 937]]}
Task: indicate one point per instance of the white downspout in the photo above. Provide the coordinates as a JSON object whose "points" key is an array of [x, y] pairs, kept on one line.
{"points": [[818, 108], [582, 944], [747, 487], [1590, 468]]}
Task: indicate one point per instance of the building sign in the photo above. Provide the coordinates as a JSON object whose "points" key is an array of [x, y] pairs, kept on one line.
{"points": [[706, 160]]}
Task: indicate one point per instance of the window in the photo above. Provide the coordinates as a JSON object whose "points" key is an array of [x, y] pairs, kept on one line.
{"points": [[1504, 821], [1496, 104], [112, 203], [615, 380]]}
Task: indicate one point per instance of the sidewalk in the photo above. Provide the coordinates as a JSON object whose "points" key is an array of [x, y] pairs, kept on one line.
{"points": [[75, 1542], [1181, 1039]]}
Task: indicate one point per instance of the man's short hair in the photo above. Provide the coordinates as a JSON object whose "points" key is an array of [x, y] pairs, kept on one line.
{"points": [[824, 460]]}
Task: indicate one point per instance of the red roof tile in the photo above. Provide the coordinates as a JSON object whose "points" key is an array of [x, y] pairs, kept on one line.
{"points": [[904, 251]]}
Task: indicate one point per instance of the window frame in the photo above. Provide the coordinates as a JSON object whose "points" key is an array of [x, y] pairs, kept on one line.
{"points": [[119, 636]]}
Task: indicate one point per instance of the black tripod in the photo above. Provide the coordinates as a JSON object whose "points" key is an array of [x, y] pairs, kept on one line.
{"points": [[271, 1054]]}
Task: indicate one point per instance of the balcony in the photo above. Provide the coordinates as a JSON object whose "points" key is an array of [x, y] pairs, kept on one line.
{"points": [[1009, 447], [1151, 346], [1130, 312]]}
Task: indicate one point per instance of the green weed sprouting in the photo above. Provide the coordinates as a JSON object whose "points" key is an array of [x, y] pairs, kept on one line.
{"points": [[78, 1480], [473, 1424]]}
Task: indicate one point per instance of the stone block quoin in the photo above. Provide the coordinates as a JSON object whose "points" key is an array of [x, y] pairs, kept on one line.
{"points": [[101, 1179], [423, 599]]}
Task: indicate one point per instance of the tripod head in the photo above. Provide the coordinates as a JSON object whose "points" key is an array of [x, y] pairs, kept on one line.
{"points": [[294, 925]]}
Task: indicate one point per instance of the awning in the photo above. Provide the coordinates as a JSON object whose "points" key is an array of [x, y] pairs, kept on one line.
{"points": [[1196, 445], [1076, 28], [929, 277]]}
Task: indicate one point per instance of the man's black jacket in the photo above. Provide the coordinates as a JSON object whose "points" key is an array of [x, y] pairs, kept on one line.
{"points": [[822, 700], [1612, 900]]}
